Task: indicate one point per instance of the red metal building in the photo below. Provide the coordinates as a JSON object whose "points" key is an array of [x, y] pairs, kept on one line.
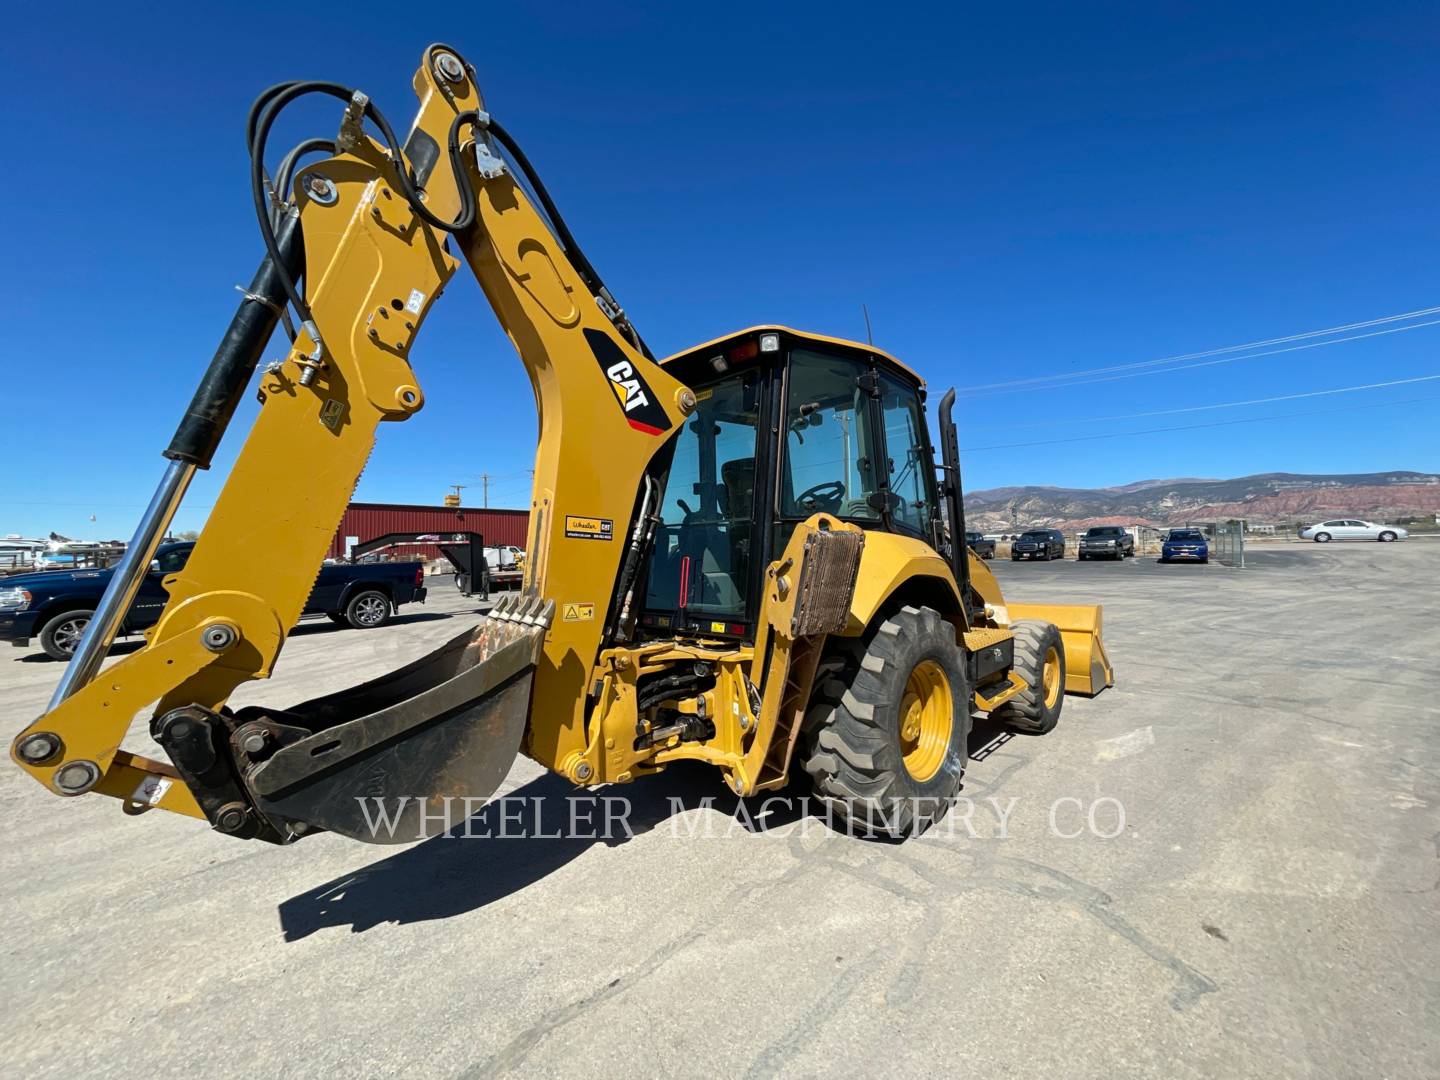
{"points": [[366, 521]]}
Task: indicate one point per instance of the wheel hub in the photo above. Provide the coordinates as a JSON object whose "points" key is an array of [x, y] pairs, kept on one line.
{"points": [[927, 717], [1050, 677]]}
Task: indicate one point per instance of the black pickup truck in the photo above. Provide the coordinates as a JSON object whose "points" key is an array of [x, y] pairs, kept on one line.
{"points": [[55, 605], [978, 544]]}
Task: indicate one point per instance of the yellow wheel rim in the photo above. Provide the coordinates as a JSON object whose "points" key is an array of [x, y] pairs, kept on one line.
{"points": [[927, 714], [1050, 677]]}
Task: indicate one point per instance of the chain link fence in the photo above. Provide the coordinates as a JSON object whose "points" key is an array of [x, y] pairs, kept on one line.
{"points": [[1228, 543]]}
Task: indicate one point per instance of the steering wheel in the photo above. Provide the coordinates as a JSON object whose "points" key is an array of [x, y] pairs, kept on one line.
{"points": [[829, 492]]}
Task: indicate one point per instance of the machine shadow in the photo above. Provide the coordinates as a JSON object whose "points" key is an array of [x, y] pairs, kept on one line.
{"points": [[119, 648], [511, 844], [523, 838]]}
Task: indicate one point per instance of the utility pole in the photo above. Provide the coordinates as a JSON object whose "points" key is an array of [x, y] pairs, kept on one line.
{"points": [[485, 482]]}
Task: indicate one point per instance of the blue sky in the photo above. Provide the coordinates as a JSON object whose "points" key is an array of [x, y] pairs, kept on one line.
{"points": [[1015, 191]]}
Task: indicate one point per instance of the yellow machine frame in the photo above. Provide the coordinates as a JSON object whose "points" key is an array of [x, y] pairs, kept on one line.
{"points": [[375, 269]]}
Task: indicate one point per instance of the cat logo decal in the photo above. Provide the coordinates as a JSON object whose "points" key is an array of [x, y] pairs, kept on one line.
{"points": [[636, 399]]}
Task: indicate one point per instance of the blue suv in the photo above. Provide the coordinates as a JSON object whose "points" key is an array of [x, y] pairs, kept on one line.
{"points": [[1188, 545]]}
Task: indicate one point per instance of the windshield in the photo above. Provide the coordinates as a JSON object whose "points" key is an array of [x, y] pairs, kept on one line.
{"points": [[1036, 536], [1104, 530], [1186, 534]]}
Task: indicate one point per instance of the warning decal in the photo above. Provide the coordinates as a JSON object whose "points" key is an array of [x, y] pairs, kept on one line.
{"points": [[589, 528], [578, 613]]}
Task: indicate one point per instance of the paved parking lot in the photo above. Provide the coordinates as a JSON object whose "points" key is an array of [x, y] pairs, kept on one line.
{"points": [[1227, 865]]}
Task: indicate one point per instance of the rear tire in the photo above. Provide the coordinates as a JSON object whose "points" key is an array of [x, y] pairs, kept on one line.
{"points": [[62, 633], [368, 609], [1322, 538], [887, 734], [1040, 661]]}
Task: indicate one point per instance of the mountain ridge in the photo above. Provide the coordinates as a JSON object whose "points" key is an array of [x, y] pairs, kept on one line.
{"points": [[1278, 497]]}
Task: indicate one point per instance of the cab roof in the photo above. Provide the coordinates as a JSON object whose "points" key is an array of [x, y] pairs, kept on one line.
{"points": [[803, 335]]}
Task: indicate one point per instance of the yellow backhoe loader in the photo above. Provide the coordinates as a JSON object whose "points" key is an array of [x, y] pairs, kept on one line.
{"points": [[744, 555]]}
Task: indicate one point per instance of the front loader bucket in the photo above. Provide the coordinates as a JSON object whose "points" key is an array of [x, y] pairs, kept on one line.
{"points": [[412, 753], [1087, 667]]}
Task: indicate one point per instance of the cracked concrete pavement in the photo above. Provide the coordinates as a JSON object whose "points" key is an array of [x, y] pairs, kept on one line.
{"points": [[1226, 865]]}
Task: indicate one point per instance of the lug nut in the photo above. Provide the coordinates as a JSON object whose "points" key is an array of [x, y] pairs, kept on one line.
{"points": [[39, 748]]}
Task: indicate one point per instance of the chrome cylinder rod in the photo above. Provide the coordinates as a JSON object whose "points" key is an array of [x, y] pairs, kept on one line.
{"points": [[124, 582], [191, 448]]}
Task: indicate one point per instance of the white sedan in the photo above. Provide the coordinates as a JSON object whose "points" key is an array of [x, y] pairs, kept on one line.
{"points": [[1352, 529]]}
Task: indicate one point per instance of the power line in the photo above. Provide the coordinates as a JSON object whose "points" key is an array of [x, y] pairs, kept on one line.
{"points": [[1211, 363], [1138, 367], [1196, 427], [1228, 404]]}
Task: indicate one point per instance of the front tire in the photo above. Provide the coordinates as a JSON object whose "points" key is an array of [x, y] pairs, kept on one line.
{"points": [[1322, 538], [887, 734], [1040, 661], [62, 633], [1387, 537], [368, 609]]}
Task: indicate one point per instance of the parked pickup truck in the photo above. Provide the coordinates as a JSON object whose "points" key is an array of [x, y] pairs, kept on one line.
{"points": [[1106, 542], [978, 544], [56, 605]]}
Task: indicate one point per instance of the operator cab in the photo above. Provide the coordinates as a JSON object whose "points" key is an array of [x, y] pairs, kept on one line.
{"points": [[852, 443]]}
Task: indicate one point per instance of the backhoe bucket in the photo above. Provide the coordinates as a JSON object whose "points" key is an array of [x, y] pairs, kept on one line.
{"points": [[415, 752], [1087, 667]]}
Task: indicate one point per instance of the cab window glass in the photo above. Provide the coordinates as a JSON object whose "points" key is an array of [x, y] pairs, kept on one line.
{"points": [[829, 448], [909, 474], [701, 559]]}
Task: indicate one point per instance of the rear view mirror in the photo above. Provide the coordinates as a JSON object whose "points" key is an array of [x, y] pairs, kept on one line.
{"points": [[154, 566]]}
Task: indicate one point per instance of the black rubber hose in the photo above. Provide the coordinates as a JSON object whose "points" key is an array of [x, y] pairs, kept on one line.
{"points": [[587, 270], [262, 116], [257, 125], [577, 256], [268, 106], [285, 175]]}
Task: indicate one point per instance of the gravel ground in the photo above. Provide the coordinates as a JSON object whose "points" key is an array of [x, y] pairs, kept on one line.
{"points": [[1226, 865]]}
